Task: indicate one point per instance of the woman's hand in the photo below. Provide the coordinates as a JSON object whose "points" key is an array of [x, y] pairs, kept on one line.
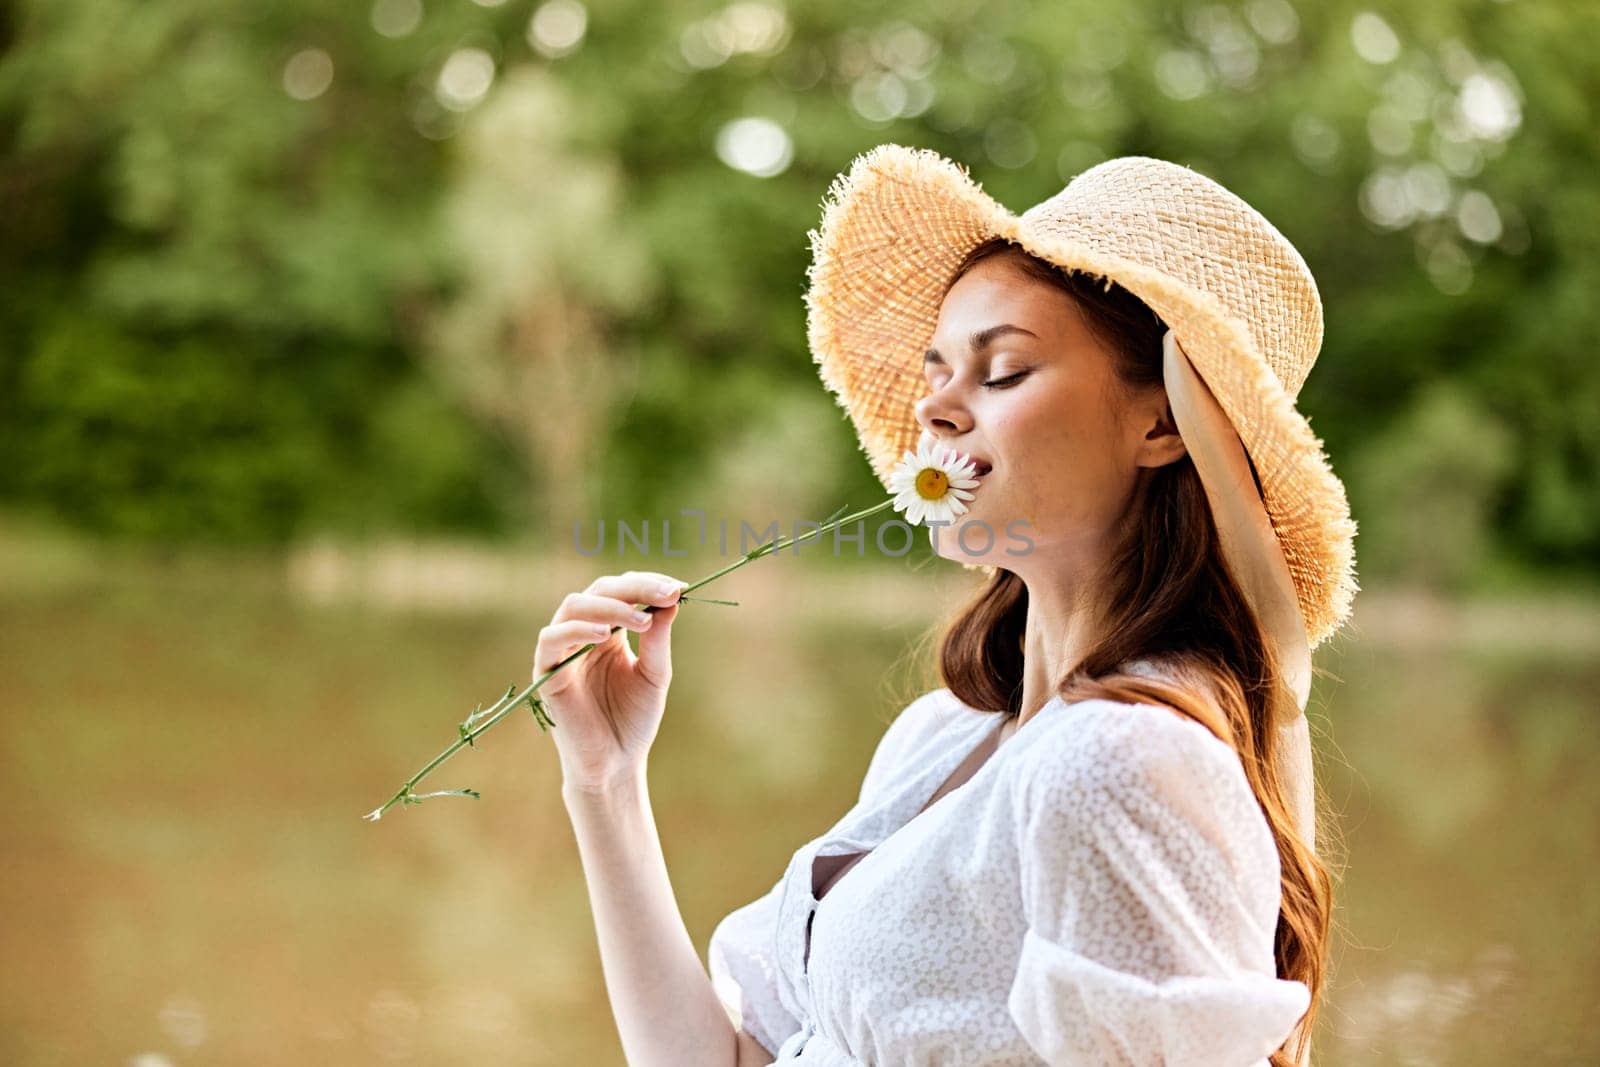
{"points": [[607, 704]]}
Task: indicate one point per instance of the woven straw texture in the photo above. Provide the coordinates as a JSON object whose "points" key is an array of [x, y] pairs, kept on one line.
{"points": [[1235, 292]]}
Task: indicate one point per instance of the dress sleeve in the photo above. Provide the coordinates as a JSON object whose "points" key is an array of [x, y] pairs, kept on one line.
{"points": [[742, 956], [742, 959], [909, 729], [1150, 886]]}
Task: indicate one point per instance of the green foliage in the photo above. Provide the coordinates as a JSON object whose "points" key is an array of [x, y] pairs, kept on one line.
{"points": [[121, 430], [206, 437], [1429, 485], [232, 312]]}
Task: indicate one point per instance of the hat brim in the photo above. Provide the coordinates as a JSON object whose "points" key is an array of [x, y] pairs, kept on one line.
{"points": [[894, 229]]}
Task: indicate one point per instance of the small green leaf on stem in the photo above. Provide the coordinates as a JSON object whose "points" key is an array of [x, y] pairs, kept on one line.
{"points": [[418, 798], [707, 600], [540, 716]]}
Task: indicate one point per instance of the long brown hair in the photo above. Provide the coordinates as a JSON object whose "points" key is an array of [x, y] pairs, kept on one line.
{"points": [[1172, 599]]}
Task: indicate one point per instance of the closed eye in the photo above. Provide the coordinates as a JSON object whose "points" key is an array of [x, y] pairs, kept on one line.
{"points": [[1006, 382]]}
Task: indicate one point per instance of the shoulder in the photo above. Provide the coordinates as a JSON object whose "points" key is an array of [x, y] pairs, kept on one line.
{"points": [[928, 715], [1135, 759], [1089, 735], [1139, 792], [919, 726]]}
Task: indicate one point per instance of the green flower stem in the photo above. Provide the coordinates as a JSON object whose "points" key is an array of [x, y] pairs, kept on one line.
{"points": [[480, 722]]}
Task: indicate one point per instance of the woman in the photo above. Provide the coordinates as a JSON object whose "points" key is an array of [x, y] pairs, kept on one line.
{"points": [[1093, 845]]}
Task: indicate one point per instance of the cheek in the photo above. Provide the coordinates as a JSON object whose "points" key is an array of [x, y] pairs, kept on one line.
{"points": [[1061, 457]]}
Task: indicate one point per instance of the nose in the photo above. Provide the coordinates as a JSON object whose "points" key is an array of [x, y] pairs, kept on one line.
{"points": [[942, 414]]}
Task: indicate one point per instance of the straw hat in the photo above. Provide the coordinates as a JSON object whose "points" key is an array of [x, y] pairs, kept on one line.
{"points": [[1238, 298]]}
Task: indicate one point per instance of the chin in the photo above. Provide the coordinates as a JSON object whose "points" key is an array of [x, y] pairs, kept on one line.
{"points": [[979, 538], [971, 540]]}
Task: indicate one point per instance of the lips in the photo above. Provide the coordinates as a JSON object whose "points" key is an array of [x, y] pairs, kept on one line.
{"points": [[980, 465]]}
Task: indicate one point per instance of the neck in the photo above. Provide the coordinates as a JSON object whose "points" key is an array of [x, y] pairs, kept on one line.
{"points": [[1063, 623]]}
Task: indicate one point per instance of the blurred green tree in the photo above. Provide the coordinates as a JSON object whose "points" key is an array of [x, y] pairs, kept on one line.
{"points": [[544, 255], [334, 207], [1429, 485]]}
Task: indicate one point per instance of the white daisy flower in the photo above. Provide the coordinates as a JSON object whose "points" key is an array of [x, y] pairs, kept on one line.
{"points": [[932, 483]]}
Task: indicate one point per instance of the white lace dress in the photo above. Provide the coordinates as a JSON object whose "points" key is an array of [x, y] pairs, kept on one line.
{"points": [[1103, 891]]}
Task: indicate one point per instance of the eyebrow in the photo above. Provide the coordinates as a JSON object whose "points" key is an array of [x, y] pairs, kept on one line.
{"points": [[980, 340]]}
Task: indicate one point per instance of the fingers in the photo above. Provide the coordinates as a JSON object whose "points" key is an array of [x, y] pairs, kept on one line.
{"points": [[639, 587], [605, 608], [611, 599], [587, 607], [561, 639], [655, 649], [593, 615]]}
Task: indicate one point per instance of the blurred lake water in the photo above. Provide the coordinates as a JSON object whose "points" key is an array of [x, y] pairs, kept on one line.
{"points": [[189, 743]]}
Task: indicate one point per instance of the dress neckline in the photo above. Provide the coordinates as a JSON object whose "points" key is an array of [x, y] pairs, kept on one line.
{"points": [[922, 788], [986, 740]]}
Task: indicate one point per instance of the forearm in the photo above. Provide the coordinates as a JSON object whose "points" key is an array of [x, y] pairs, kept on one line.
{"points": [[666, 1009]]}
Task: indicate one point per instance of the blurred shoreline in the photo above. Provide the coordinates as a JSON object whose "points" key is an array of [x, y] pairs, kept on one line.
{"points": [[451, 576]]}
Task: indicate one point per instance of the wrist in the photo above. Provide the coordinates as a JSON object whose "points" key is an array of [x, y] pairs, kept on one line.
{"points": [[608, 792]]}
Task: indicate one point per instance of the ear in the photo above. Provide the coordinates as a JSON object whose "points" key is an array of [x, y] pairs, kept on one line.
{"points": [[1159, 442]]}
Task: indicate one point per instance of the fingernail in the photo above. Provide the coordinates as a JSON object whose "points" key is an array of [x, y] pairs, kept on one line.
{"points": [[640, 617], [668, 588]]}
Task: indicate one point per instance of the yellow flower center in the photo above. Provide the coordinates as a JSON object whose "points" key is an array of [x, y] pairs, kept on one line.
{"points": [[932, 483]]}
